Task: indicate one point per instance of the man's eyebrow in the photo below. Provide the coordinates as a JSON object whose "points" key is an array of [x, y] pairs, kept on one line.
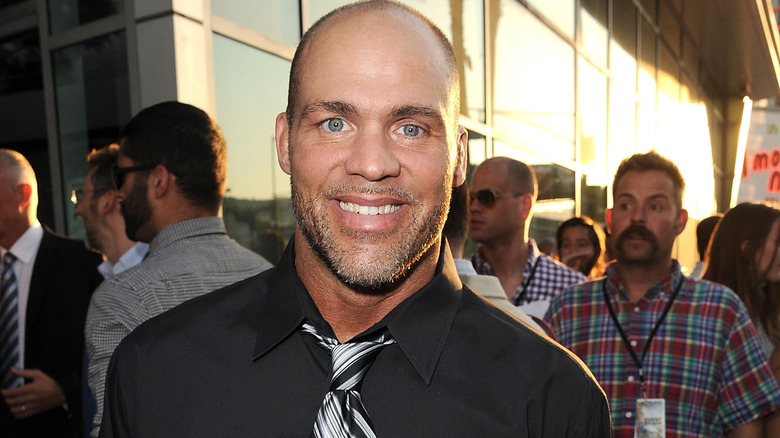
{"points": [[336, 106], [414, 110]]}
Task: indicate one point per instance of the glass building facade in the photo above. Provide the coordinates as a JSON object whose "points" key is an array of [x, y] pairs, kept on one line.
{"points": [[570, 87]]}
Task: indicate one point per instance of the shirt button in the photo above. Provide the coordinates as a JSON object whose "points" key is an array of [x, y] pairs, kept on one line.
{"points": [[636, 308], [629, 414], [630, 378], [633, 343]]}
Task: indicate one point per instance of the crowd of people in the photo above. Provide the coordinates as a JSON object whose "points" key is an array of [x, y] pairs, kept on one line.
{"points": [[374, 322]]}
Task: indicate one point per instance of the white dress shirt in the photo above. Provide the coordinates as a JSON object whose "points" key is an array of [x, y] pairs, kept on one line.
{"points": [[25, 249]]}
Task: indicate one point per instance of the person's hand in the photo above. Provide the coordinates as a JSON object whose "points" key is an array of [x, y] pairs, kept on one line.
{"points": [[41, 394]]}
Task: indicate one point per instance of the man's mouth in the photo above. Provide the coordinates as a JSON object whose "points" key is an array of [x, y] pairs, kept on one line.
{"points": [[370, 210]]}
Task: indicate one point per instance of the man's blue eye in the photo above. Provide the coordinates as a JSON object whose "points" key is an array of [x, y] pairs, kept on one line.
{"points": [[411, 130], [335, 124]]}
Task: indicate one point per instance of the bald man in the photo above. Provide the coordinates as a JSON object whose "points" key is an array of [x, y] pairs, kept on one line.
{"points": [[503, 194], [363, 328]]}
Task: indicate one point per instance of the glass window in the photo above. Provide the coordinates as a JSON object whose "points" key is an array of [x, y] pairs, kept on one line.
{"points": [[691, 57], [93, 104], [277, 19], [623, 47], [647, 64], [256, 208], [670, 27], [65, 14], [622, 122], [592, 113], [23, 113], [6, 3], [593, 200], [646, 126], [649, 7], [668, 77], [462, 23], [593, 19], [533, 98], [559, 12]]}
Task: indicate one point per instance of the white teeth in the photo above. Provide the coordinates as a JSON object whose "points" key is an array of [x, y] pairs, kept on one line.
{"points": [[368, 210]]}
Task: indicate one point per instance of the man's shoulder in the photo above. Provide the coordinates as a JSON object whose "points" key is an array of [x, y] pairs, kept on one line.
{"points": [[534, 354], [211, 312], [216, 248]]}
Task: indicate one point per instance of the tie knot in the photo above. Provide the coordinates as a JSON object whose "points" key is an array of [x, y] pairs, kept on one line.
{"points": [[350, 360], [8, 258]]}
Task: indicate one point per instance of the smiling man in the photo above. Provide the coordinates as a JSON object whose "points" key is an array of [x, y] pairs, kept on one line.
{"points": [[677, 356], [363, 328]]}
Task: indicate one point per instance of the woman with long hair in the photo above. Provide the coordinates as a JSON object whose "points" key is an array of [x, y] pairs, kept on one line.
{"points": [[580, 243], [744, 254]]}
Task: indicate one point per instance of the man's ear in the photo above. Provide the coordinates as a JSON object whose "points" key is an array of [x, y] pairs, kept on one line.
{"points": [[682, 219], [24, 193], [608, 219], [161, 181], [283, 142], [107, 202], [461, 160]]}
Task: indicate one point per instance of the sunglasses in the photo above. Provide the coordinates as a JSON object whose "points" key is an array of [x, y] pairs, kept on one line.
{"points": [[120, 173], [487, 197]]}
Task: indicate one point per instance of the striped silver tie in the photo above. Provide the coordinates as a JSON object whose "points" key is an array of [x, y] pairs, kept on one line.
{"points": [[9, 324], [342, 414]]}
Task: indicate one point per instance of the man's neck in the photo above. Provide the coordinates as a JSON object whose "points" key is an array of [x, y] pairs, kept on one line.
{"points": [[13, 233], [637, 278], [348, 311], [507, 258]]}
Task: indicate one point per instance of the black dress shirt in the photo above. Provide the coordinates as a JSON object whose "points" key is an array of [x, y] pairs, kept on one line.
{"points": [[235, 363]]}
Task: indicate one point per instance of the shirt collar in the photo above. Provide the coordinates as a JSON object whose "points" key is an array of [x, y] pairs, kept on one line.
{"points": [[661, 288], [130, 258], [186, 229], [420, 324], [26, 246]]}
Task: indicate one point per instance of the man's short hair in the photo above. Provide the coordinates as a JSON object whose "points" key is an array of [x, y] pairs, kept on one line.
{"points": [[354, 8], [652, 161], [456, 227], [102, 160], [187, 142]]}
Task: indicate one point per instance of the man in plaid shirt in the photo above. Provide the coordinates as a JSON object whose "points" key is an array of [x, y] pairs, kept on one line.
{"points": [[676, 355], [503, 194]]}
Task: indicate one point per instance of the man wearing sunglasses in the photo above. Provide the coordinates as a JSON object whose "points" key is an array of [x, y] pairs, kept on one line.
{"points": [[97, 202], [171, 176], [503, 193]]}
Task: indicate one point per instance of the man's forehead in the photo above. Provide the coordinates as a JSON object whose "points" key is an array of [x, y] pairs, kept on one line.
{"points": [[655, 182]]}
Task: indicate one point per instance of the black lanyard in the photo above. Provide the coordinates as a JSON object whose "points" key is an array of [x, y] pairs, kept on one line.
{"points": [[626, 342], [528, 281]]}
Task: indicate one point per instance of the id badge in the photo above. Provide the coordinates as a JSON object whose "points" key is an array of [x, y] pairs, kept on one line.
{"points": [[650, 418]]}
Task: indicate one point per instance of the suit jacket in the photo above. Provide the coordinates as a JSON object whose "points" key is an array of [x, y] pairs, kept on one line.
{"points": [[63, 278]]}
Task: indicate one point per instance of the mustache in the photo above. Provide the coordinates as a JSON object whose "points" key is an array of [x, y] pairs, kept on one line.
{"points": [[637, 230]]}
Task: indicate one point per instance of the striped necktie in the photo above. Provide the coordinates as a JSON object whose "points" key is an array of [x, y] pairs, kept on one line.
{"points": [[9, 324], [342, 414]]}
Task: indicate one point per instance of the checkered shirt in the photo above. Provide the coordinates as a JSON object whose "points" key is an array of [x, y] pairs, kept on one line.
{"points": [[186, 259], [550, 279], [704, 360]]}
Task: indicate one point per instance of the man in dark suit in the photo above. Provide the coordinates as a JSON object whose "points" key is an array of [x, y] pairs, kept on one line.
{"points": [[55, 277]]}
